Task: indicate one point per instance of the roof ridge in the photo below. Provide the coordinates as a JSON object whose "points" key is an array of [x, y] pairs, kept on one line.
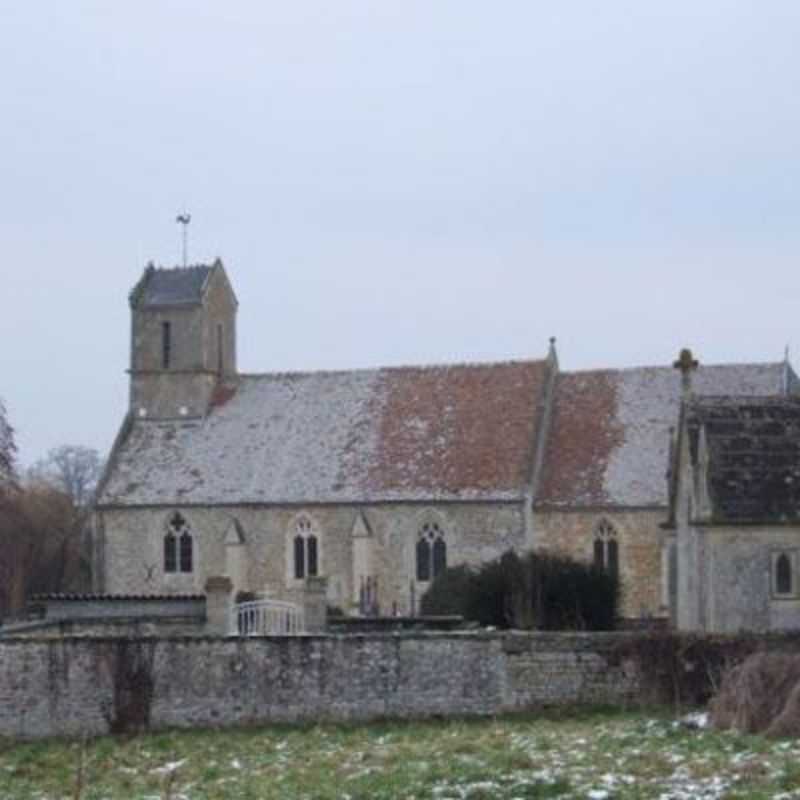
{"points": [[708, 399], [640, 368], [181, 268], [396, 368]]}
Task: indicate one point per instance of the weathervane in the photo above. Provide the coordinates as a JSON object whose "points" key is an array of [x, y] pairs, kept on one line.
{"points": [[184, 219]]}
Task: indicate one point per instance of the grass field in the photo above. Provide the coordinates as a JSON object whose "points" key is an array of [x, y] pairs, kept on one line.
{"points": [[599, 756]]}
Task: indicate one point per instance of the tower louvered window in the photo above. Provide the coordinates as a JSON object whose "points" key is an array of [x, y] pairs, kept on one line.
{"points": [[166, 345]]}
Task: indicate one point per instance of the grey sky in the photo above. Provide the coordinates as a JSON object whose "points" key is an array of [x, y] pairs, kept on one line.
{"points": [[395, 182]]}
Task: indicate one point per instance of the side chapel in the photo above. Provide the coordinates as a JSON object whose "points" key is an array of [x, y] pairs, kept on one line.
{"points": [[380, 478], [735, 513]]}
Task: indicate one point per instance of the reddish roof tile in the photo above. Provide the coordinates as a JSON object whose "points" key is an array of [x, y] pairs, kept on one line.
{"points": [[458, 427], [583, 432]]}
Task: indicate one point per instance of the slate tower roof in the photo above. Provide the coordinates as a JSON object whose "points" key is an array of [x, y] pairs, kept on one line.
{"points": [[161, 287]]}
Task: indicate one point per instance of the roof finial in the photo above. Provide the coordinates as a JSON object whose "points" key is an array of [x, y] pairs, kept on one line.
{"points": [[687, 364], [184, 220], [551, 352]]}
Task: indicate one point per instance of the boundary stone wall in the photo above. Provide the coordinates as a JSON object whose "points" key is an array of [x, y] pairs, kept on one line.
{"points": [[93, 685], [84, 685]]}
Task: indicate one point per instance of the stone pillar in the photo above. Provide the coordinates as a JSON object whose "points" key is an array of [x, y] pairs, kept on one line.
{"points": [[219, 604], [315, 604]]}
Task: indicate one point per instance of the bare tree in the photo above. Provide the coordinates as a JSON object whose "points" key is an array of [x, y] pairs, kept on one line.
{"points": [[45, 540], [72, 469], [42, 548], [8, 449]]}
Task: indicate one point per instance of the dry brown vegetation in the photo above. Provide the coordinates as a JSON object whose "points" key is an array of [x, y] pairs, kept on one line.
{"points": [[760, 695], [43, 546]]}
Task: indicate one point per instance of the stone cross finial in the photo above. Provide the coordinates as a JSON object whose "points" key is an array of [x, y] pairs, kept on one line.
{"points": [[687, 364]]}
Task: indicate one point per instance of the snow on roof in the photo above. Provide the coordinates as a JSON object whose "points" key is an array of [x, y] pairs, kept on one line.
{"points": [[609, 434], [463, 432]]}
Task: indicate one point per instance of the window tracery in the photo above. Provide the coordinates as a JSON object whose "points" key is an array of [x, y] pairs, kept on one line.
{"points": [[178, 545], [305, 549], [606, 547], [431, 551]]}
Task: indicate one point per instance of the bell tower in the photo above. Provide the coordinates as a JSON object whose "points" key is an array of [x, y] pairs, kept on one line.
{"points": [[183, 340]]}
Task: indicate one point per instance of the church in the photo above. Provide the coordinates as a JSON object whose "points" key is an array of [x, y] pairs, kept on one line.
{"points": [[378, 479]]}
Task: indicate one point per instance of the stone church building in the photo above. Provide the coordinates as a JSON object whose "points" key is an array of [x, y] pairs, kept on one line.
{"points": [[379, 478]]}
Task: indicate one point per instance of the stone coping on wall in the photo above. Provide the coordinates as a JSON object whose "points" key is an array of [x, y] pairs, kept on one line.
{"points": [[399, 623], [517, 637], [566, 639]]}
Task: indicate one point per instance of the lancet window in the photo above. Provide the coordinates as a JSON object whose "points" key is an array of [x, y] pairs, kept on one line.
{"points": [[178, 545], [305, 549], [606, 547], [431, 551], [783, 574]]}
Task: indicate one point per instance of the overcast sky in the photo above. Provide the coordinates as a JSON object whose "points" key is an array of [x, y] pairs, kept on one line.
{"points": [[395, 182]]}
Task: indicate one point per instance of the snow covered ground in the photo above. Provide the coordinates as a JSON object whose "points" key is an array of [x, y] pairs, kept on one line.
{"points": [[595, 756]]}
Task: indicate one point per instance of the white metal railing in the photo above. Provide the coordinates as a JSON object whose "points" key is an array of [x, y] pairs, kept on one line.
{"points": [[267, 618]]}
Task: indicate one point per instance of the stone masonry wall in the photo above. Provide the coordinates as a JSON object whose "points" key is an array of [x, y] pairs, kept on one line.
{"points": [[475, 533], [107, 628], [640, 539], [75, 686], [739, 585]]}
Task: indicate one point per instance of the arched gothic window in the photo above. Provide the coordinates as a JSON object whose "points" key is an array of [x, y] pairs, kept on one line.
{"points": [[178, 545], [431, 551], [606, 548], [305, 549], [783, 574], [170, 552]]}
